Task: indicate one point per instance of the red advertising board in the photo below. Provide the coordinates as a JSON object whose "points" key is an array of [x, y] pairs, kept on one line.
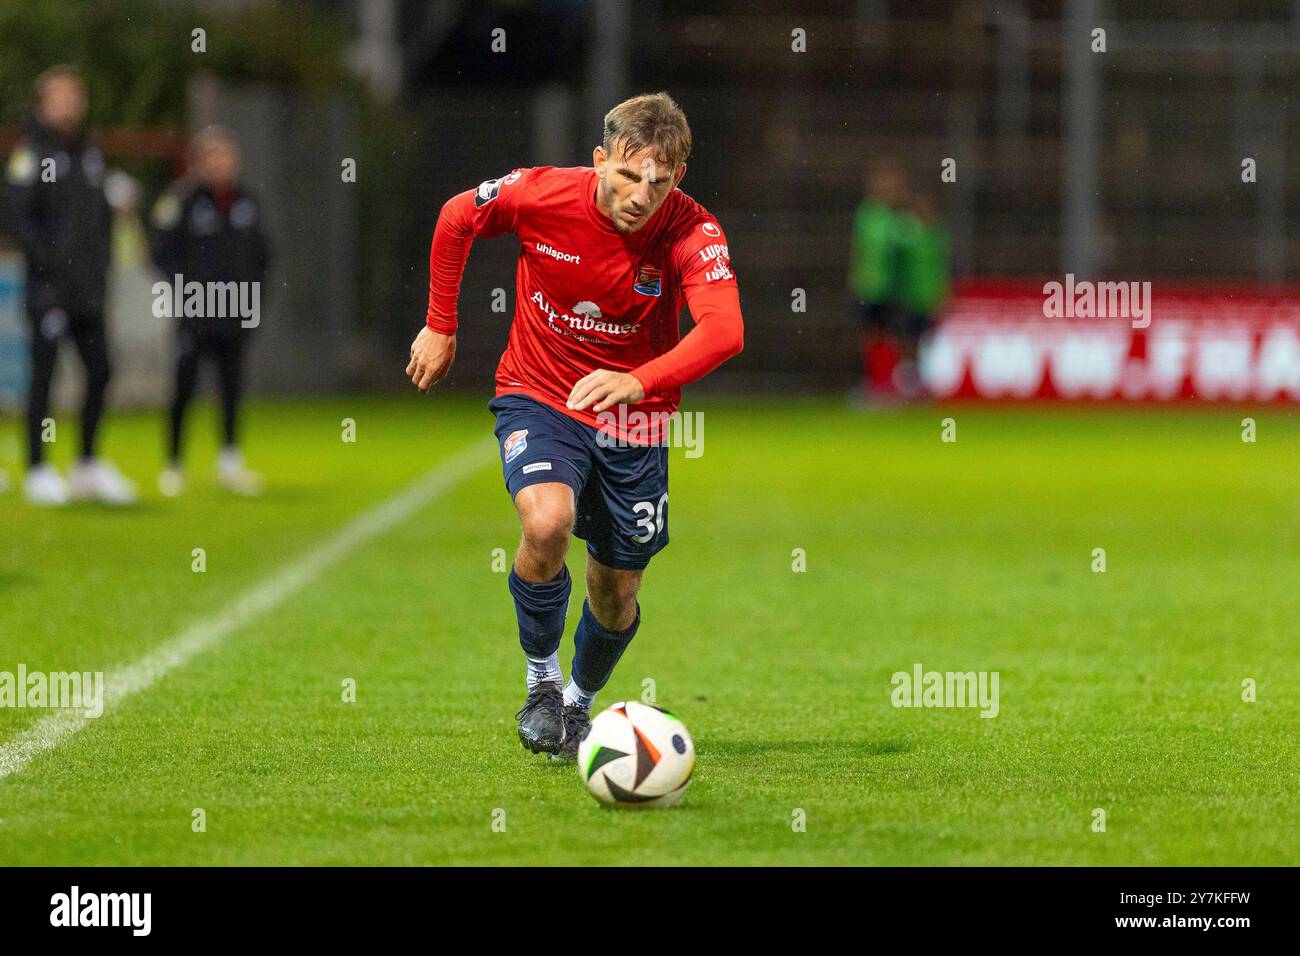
{"points": [[1206, 343]]}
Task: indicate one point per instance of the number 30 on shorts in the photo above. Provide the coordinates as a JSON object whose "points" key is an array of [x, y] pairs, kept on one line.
{"points": [[653, 520]]}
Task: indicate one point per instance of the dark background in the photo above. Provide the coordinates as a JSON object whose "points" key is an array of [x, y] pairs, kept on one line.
{"points": [[1122, 164]]}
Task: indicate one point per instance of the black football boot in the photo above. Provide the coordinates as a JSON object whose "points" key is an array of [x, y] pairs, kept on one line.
{"points": [[541, 721], [577, 724]]}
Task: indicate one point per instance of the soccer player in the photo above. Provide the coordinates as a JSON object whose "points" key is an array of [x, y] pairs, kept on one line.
{"points": [[608, 256], [60, 215], [207, 228]]}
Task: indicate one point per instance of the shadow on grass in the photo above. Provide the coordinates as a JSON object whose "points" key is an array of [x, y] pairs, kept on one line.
{"points": [[14, 580], [836, 748]]}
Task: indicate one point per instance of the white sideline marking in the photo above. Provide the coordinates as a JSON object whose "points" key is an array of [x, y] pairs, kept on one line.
{"points": [[52, 729]]}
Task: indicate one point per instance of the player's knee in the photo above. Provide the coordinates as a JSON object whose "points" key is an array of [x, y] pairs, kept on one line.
{"points": [[547, 527]]}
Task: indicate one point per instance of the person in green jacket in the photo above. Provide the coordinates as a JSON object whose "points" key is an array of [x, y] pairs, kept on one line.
{"points": [[898, 276], [923, 285], [876, 271]]}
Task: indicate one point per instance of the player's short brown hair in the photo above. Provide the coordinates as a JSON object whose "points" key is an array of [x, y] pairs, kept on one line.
{"points": [[651, 120]]}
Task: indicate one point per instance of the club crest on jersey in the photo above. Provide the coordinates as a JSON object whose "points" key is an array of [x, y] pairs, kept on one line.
{"points": [[647, 280], [515, 444]]}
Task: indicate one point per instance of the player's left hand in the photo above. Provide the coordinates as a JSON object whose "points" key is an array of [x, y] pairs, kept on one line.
{"points": [[605, 388]]}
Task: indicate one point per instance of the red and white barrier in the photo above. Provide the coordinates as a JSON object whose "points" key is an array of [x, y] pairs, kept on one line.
{"points": [[1212, 343]]}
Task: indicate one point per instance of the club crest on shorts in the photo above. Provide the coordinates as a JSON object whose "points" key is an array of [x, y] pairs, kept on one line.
{"points": [[515, 444], [647, 280]]}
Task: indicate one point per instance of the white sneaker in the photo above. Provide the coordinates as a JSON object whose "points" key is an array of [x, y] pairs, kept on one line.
{"points": [[171, 482], [100, 480], [45, 486], [233, 476]]}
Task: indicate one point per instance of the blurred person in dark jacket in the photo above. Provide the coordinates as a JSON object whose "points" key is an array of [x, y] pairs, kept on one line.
{"points": [[57, 210], [207, 229]]}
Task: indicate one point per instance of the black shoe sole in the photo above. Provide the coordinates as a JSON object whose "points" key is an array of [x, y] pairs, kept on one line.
{"points": [[537, 747]]}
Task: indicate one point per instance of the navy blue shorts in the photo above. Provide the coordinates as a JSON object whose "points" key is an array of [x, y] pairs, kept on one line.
{"points": [[621, 490]]}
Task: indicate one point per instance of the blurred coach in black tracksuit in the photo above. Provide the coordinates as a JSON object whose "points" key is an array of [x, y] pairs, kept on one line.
{"points": [[57, 210], [207, 228]]}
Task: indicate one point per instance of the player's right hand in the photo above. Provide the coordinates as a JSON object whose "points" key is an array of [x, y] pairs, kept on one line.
{"points": [[431, 357]]}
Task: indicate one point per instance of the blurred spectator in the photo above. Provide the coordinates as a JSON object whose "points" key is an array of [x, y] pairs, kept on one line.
{"points": [[58, 212], [875, 272], [899, 275], [207, 228], [924, 281]]}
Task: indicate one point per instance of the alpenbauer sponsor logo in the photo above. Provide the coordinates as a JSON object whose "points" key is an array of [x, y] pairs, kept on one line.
{"points": [[588, 318]]}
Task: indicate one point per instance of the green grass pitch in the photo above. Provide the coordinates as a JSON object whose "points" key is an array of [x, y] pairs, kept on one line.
{"points": [[1120, 691]]}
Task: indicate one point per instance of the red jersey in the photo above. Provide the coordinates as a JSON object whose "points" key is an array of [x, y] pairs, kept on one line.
{"points": [[588, 296]]}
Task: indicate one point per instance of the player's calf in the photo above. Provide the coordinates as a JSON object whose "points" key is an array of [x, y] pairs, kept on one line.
{"points": [[612, 592], [541, 609], [611, 600], [540, 585]]}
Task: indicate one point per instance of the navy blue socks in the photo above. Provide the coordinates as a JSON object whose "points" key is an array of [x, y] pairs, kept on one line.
{"points": [[595, 652], [541, 609]]}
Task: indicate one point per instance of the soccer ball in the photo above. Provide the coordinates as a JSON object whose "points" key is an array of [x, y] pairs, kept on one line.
{"points": [[636, 756]]}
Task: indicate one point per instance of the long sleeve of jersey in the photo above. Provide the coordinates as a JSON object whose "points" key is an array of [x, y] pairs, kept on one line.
{"points": [[713, 299], [719, 334], [452, 238], [489, 210]]}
